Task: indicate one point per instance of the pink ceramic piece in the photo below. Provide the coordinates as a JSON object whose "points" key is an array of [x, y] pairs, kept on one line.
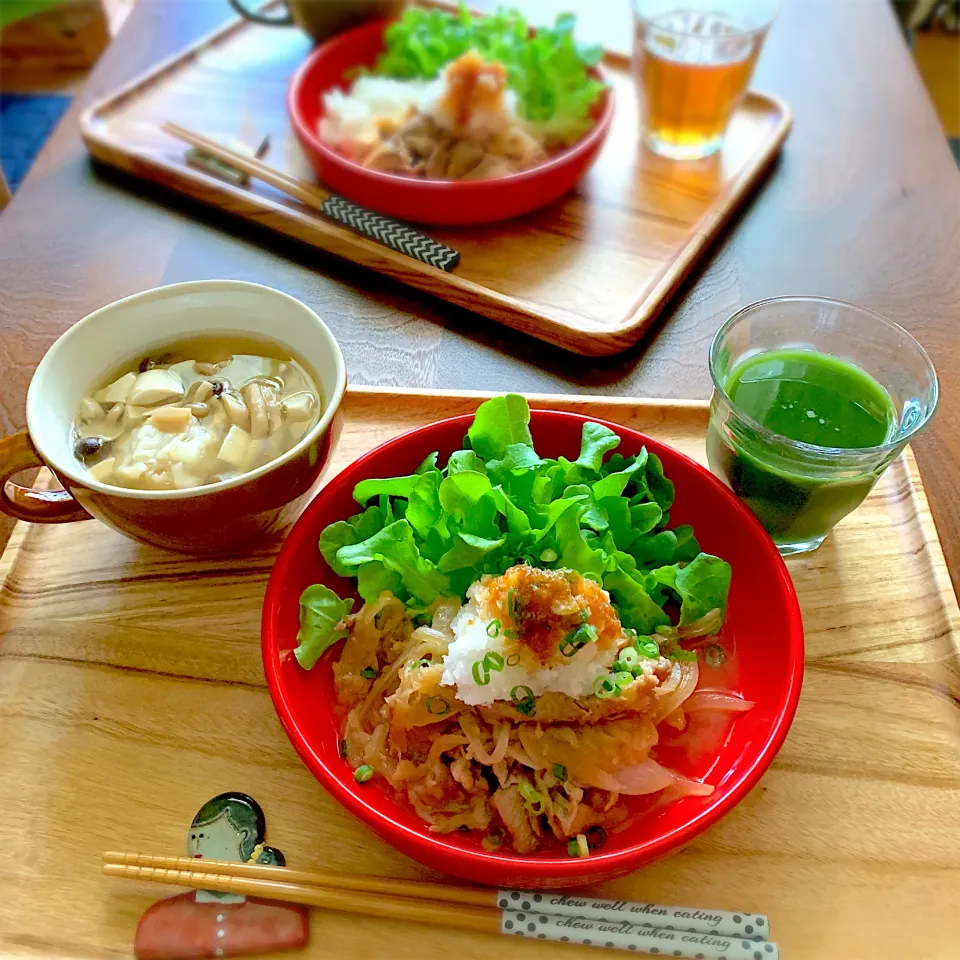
{"points": [[204, 923]]}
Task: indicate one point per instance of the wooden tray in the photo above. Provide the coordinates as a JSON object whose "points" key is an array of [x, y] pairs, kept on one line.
{"points": [[588, 273], [131, 691]]}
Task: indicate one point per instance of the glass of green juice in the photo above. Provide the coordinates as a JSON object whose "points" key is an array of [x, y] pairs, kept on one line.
{"points": [[812, 400]]}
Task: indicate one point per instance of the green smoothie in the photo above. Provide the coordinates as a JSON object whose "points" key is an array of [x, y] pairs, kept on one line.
{"points": [[814, 398]]}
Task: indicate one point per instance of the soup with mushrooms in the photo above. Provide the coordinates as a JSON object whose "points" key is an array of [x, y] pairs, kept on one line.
{"points": [[198, 411]]}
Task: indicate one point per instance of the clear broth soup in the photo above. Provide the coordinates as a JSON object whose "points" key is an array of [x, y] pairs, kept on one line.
{"points": [[195, 412]]}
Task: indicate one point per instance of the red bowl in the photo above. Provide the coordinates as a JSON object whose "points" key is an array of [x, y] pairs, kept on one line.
{"points": [[460, 202], [763, 622]]}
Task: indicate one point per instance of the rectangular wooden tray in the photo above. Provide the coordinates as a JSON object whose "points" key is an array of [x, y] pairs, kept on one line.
{"points": [[131, 691], [589, 272]]}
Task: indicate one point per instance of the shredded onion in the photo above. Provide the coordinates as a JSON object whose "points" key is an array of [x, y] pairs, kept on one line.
{"points": [[715, 700], [439, 746], [709, 623], [668, 702], [646, 777], [685, 787], [471, 727], [672, 681]]}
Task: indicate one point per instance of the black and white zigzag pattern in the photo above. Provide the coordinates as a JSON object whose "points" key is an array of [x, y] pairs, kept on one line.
{"points": [[391, 233]]}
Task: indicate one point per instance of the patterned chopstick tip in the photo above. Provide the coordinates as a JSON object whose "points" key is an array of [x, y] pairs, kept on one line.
{"points": [[746, 926], [624, 935], [394, 234]]}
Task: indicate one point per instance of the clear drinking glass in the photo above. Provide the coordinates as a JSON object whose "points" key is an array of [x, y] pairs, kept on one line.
{"points": [[693, 60], [799, 491]]}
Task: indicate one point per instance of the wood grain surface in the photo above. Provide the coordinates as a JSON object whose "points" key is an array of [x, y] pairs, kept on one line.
{"points": [[587, 273], [863, 205], [131, 691]]}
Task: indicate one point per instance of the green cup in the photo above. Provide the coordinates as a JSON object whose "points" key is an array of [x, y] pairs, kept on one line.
{"points": [[800, 490]]}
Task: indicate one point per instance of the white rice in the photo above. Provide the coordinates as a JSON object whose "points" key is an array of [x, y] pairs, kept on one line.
{"points": [[575, 677]]}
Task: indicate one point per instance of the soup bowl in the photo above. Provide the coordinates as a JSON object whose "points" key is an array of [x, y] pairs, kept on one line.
{"points": [[216, 517]]}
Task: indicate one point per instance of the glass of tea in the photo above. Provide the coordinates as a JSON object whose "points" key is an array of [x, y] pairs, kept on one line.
{"points": [[693, 60], [812, 400]]}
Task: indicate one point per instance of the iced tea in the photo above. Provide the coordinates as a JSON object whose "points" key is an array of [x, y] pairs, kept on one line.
{"points": [[693, 68]]}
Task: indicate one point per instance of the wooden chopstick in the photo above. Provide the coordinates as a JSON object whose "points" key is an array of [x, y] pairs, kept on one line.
{"points": [[394, 234], [414, 889], [459, 917]]}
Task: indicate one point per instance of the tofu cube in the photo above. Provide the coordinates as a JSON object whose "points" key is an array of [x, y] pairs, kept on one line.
{"points": [[118, 391], [156, 386], [102, 471], [235, 449]]}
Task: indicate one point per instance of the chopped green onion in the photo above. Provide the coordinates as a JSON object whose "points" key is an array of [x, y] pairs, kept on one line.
{"points": [[647, 648], [512, 603], [578, 846], [363, 773], [523, 700], [532, 800], [369, 673], [511, 634], [584, 614], [493, 661], [493, 628], [629, 657], [420, 664], [481, 668], [560, 771], [437, 706], [684, 656], [513, 659], [714, 655], [548, 555], [481, 675], [577, 638], [604, 687], [622, 677]]}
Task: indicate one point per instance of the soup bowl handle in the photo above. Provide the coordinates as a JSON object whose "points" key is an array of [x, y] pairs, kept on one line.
{"points": [[280, 20], [17, 453]]}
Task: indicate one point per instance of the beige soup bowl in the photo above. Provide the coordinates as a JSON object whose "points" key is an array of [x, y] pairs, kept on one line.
{"points": [[211, 519]]}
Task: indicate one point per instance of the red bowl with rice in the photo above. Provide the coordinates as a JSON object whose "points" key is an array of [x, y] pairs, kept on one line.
{"points": [[454, 202]]}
